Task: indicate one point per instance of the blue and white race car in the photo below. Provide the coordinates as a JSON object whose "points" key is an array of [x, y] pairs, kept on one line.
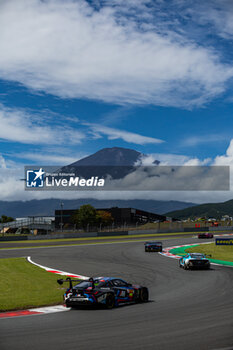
{"points": [[194, 260]]}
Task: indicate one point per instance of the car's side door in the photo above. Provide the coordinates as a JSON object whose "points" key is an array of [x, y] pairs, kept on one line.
{"points": [[122, 289]]}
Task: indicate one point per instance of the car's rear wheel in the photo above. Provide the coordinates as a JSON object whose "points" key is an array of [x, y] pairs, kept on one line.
{"points": [[110, 301], [143, 295]]}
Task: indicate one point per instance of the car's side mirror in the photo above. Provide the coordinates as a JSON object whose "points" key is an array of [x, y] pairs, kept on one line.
{"points": [[60, 281]]}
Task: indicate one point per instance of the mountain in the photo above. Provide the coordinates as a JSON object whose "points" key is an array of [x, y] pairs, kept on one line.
{"points": [[115, 156], [116, 161], [209, 210], [47, 207]]}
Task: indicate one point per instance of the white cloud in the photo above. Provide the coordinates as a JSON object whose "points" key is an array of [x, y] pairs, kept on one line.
{"points": [[2, 162], [226, 159], [167, 159], [71, 50], [164, 159], [23, 127], [198, 162], [217, 14], [127, 136], [203, 139]]}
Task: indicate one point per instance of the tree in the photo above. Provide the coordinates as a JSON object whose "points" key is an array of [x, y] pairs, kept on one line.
{"points": [[104, 217], [85, 216], [75, 218], [5, 219]]}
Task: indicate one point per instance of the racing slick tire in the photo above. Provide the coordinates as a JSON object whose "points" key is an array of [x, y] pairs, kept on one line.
{"points": [[143, 295], [185, 267], [180, 264], [110, 301]]}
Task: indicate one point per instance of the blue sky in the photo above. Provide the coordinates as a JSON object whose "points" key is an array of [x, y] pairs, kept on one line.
{"points": [[77, 76]]}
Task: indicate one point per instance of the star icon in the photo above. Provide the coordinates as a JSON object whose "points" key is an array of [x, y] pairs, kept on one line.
{"points": [[39, 174]]}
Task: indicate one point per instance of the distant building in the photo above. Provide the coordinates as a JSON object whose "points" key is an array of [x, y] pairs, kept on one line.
{"points": [[121, 217]]}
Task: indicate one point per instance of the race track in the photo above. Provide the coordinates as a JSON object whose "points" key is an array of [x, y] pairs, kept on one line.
{"points": [[187, 309]]}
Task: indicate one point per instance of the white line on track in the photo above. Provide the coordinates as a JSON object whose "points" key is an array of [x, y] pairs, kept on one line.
{"points": [[58, 272]]}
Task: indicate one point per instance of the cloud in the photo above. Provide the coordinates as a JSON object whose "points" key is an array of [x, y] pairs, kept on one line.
{"points": [[75, 50], [217, 15], [226, 159], [203, 139], [113, 134], [28, 128], [164, 159], [167, 159], [2, 162]]}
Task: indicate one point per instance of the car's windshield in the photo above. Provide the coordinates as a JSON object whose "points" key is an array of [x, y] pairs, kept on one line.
{"points": [[118, 283]]}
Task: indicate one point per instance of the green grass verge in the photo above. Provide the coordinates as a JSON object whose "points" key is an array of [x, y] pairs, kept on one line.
{"points": [[217, 252], [24, 285]]}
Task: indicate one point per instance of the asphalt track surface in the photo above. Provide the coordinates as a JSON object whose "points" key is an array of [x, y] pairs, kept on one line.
{"points": [[187, 309]]}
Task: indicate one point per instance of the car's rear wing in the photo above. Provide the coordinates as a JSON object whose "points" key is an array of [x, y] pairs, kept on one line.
{"points": [[68, 279]]}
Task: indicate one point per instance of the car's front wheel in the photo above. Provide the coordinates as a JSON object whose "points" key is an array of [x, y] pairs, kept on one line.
{"points": [[143, 295]]}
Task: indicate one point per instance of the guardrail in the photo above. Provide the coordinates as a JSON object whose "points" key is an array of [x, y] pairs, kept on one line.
{"points": [[30, 223]]}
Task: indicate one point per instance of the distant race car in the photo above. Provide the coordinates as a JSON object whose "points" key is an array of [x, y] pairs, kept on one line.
{"points": [[206, 235], [153, 247], [194, 260], [103, 291]]}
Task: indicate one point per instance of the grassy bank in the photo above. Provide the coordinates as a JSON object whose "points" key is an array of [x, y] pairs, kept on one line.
{"points": [[24, 285], [217, 252]]}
